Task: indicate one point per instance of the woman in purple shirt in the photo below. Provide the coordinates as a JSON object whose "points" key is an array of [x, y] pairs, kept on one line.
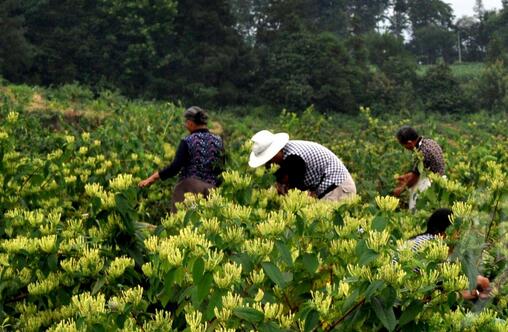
{"points": [[199, 159]]}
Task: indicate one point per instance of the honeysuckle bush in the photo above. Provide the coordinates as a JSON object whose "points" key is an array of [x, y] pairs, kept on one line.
{"points": [[82, 248]]}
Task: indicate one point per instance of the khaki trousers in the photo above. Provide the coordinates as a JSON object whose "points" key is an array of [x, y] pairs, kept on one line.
{"points": [[345, 190], [189, 185]]}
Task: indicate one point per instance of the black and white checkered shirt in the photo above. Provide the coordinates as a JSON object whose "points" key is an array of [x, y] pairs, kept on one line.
{"points": [[322, 167]]}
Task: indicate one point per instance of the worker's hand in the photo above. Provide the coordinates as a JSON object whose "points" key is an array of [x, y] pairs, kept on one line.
{"points": [[482, 290], [397, 191], [483, 286], [145, 183], [281, 188], [149, 180], [403, 179], [312, 194]]}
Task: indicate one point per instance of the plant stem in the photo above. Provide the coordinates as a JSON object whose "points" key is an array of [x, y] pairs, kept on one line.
{"points": [[492, 219], [337, 322]]}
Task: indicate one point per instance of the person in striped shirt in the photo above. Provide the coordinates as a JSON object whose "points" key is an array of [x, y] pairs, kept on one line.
{"points": [[437, 224]]}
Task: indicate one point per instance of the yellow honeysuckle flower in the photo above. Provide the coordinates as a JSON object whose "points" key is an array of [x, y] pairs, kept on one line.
{"points": [[387, 203]]}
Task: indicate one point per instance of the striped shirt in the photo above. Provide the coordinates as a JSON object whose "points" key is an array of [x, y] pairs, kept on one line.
{"points": [[418, 242]]}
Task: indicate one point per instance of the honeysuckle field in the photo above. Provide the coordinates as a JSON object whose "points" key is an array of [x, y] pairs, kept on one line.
{"points": [[83, 249]]}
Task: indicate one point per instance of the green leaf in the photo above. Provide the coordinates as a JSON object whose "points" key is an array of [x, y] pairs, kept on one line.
{"points": [[468, 260], [168, 290], [97, 328], [204, 287], [373, 287], [270, 327], [274, 274], [52, 262], [452, 299], [379, 223], [96, 204], [288, 277], [365, 254], [45, 171], [37, 180], [389, 295], [251, 315], [348, 303], [311, 320], [338, 220], [197, 270], [215, 301], [190, 216], [284, 253], [98, 285], [385, 314], [411, 312], [300, 224], [310, 262]]}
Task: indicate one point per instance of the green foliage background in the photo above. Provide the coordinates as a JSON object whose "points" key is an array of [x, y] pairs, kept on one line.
{"points": [[291, 54]]}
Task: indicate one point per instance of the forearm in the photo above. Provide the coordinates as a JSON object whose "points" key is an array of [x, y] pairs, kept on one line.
{"points": [[412, 178], [149, 180], [470, 295], [155, 176], [404, 181]]}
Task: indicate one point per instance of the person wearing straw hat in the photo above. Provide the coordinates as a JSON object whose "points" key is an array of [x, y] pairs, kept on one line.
{"points": [[199, 159], [303, 165]]}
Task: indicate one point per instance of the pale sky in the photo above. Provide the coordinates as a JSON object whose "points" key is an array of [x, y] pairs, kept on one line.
{"points": [[465, 7]]}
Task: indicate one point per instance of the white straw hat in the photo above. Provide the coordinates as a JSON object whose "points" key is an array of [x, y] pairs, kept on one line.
{"points": [[265, 147]]}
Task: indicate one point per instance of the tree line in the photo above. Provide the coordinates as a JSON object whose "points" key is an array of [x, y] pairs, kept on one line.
{"points": [[334, 54]]}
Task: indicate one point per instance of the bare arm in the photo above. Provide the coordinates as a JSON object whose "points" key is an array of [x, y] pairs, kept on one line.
{"points": [[404, 181], [482, 290], [149, 180]]}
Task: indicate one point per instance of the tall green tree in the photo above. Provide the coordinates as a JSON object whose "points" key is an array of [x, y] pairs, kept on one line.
{"points": [[496, 27], [429, 12], [120, 44], [62, 34], [16, 52], [432, 36], [469, 33], [211, 63], [263, 20], [135, 44], [398, 20], [364, 15], [306, 69]]}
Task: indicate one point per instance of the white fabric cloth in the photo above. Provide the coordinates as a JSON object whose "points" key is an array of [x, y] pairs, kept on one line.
{"points": [[421, 185]]}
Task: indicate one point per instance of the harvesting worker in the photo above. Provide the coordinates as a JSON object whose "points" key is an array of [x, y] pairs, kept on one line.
{"points": [[199, 159], [303, 165], [437, 225], [433, 161]]}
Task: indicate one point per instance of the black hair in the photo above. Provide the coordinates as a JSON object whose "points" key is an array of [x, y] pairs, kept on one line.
{"points": [[197, 115], [439, 221], [405, 134]]}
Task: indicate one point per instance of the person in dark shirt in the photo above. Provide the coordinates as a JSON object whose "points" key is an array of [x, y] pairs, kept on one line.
{"points": [[199, 159], [433, 161], [304, 165]]}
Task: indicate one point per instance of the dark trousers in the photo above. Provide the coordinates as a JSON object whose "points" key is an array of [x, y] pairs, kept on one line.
{"points": [[189, 185]]}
